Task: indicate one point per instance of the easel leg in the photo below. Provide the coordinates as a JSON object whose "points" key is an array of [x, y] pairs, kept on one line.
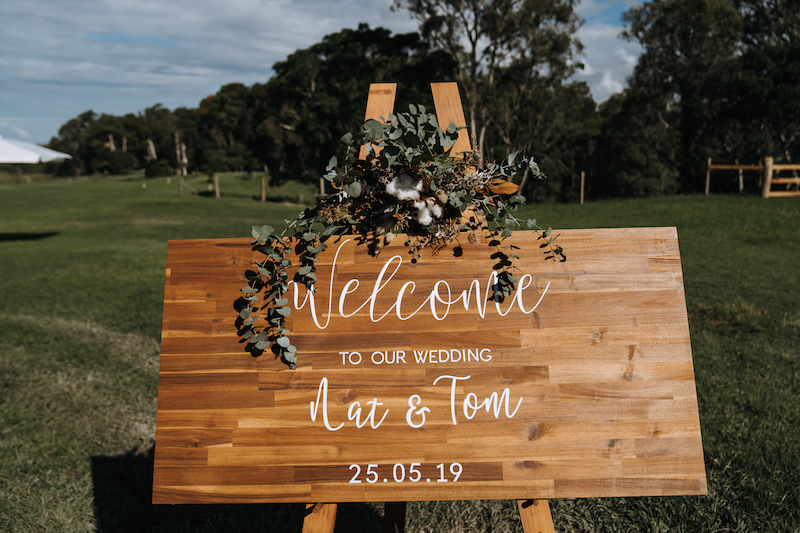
{"points": [[319, 518], [535, 516], [394, 517]]}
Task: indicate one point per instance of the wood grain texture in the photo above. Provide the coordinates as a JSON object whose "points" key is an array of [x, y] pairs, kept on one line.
{"points": [[319, 518], [535, 516], [380, 104], [589, 393], [447, 101]]}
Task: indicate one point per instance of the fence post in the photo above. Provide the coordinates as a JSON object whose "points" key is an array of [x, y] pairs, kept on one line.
{"points": [[767, 177], [583, 181], [708, 176], [263, 189], [216, 185]]}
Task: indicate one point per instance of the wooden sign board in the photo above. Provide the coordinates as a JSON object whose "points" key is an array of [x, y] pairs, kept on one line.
{"points": [[413, 385]]}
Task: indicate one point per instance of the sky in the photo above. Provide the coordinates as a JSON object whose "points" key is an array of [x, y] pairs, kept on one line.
{"points": [[59, 58]]}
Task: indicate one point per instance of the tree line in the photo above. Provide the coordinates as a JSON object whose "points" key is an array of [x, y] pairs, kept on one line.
{"points": [[716, 78]]}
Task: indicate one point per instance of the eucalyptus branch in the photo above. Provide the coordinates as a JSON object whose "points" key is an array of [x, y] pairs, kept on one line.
{"points": [[413, 185]]}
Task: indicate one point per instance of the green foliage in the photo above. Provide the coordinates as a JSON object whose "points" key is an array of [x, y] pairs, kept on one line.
{"points": [[319, 92], [765, 102], [636, 153], [717, 78], [558, 123], [413, 185], [515, 60], [722, 70], [119, 163], [157, 168]]}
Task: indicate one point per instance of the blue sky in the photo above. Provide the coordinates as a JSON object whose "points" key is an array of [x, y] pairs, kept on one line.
{"points": [[59, 58]]}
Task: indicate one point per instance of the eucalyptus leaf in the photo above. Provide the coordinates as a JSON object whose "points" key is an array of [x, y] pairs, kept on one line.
{"points": [[262, 233], [353, 189]]}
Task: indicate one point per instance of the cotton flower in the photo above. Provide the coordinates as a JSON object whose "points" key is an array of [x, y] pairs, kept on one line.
{"points": [[435, 209], [423, 213], [405, 187]]}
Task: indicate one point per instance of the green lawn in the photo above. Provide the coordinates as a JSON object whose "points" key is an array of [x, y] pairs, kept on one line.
{"points": [[81, 284]]}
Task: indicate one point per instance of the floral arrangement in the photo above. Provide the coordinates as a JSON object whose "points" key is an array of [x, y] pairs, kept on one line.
{"points": [[409, 183]]}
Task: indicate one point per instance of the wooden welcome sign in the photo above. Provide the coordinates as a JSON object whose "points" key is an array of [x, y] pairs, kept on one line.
{"points": [[413, 384]]}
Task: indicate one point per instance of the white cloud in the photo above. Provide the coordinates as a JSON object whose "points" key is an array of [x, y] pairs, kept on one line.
{"points": [[58, 59], [610, 85], [627, 57], [16, 130], [609, 59]]}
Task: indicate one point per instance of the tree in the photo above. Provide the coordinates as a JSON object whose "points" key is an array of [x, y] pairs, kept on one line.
{"points": [[319, 93], [636, 151], [689, 60], [72, 139], [226, 123], [556, 123], [767, 88], [771, 22], [533, 38]]}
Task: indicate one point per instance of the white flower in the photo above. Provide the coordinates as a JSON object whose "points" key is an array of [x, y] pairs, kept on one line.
{"points": [[405, 187], [423, 213]]}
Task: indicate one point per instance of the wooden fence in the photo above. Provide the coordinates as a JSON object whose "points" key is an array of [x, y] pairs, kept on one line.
{"points": [[769, 169]]}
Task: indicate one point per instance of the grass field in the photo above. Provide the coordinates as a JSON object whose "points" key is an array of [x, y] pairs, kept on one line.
{"points": [[81, 285]]}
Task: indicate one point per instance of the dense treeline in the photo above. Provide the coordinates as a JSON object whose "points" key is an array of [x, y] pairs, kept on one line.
{"points": [[717, 78]]}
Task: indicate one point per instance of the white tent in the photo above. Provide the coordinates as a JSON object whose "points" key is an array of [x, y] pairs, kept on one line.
{"points": [[12, 151]]}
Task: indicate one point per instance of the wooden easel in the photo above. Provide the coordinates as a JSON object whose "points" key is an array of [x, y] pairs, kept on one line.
{"points": [[321, 517]]}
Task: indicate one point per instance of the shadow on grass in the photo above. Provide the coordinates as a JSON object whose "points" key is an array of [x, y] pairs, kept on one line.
{"points": [[27, 236], [122, 503]]}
